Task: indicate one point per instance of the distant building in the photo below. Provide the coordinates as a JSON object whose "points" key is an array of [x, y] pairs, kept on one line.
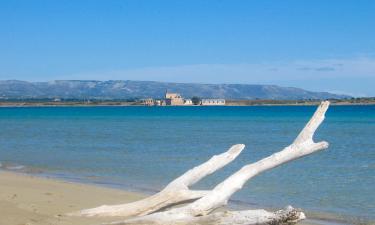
{"points": [[213, 102], [188, 102], [173, 99], [159, 102], [148, 102]]}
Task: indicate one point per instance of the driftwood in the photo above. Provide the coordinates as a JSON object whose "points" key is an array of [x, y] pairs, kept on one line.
{"points": [[288, 215], [201, 210], [175, 192]]}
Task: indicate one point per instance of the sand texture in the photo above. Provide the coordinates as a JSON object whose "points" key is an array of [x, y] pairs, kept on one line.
{"points": [[29, 200]]}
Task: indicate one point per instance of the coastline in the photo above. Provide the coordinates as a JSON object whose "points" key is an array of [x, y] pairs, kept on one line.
{"points": [[28, 198], [139, 105], [228, 102]]}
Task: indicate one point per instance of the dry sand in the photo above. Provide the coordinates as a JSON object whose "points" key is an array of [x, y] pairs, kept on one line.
{"points": [[29, 200]]}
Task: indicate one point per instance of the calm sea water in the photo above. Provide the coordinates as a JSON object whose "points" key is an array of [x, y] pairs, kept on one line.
{"points": [[146, 147]]}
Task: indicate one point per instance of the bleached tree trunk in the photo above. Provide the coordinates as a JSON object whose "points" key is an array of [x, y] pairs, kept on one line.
{"points": [[175, 192], [303, 145], [289, 215], [200, 209]]}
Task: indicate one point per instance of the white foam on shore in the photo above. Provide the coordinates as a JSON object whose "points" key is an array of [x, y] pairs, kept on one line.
{"points": [[19, 167], [11, 166]]}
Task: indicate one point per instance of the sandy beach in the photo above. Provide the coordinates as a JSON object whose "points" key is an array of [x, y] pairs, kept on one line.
{"points": [[29, 200]]}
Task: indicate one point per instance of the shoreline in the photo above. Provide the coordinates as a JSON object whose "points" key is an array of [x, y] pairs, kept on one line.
{"points": [[136, 105], [36, 102], [42, 190]]}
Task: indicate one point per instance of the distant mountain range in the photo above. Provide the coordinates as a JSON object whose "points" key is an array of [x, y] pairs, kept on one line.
{"points": [[126, 89]]}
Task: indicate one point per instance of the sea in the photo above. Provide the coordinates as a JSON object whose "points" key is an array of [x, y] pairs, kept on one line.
{"points": [[144, 148]]}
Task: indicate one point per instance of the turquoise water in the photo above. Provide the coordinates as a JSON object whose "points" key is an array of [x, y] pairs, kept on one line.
{"points": [[144, 148]]}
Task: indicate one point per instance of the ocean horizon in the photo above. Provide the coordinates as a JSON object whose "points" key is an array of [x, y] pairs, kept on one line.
{"points": [[144, 148]]}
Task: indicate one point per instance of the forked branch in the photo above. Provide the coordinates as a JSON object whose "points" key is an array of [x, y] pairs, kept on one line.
{"points": [[175, 192], [302, 146]]}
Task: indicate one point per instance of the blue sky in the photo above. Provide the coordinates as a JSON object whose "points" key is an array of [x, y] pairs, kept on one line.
{"points": [[316, 45]]}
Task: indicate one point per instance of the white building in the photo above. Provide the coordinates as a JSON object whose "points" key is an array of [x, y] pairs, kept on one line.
{"points": [[213, 102], [148, 101], [188, 102]]}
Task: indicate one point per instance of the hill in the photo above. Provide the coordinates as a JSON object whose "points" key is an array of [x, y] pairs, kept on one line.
{"points": [[125, 89]]}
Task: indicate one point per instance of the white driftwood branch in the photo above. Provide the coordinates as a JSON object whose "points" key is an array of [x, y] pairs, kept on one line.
{"points": [[302, 146], [175, 192], [289, 215], [199, 210]]}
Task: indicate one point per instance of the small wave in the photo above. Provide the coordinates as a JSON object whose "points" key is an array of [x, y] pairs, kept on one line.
{"points": [[19, 167], [11, 166]]}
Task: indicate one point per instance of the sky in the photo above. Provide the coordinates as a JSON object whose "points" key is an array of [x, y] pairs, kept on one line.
{"points": [[316, 45]]}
